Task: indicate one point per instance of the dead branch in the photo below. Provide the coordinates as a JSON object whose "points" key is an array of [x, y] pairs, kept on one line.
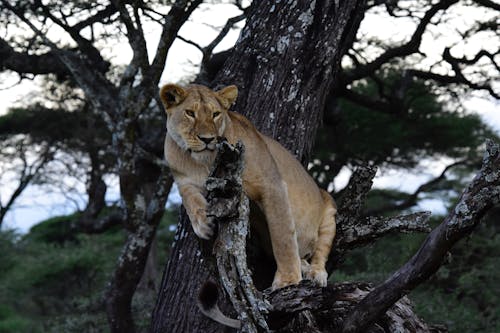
{"points": [[331, 304], [356, 231], [28, 172], [228, 207], [411, 199], [480, 195]]}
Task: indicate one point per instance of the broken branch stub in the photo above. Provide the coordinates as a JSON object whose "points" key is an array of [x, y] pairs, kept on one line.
{"points": [[228, 208]]}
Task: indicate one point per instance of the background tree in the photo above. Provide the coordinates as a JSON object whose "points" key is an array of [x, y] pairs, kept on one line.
{"points": [[22, 168], [144, 183]]}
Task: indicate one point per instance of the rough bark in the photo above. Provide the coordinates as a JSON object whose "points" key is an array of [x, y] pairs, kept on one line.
{"points": [[228, 208], [285, 63], [329, 306], [176, 309], [147, 211], [306, 307], [347, 307]]}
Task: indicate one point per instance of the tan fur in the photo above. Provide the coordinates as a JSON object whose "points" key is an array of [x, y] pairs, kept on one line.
{"points": [[300, 216]]}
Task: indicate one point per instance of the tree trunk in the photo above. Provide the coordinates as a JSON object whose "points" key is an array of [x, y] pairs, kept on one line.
{"points": [[145, 202], [284, 64]]}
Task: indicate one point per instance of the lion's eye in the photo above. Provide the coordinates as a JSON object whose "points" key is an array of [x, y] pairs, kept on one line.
{"points": [[190, 113], [216, 114]]}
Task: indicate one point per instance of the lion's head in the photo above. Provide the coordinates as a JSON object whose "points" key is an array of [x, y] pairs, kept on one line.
{"points": [[196, 115]]}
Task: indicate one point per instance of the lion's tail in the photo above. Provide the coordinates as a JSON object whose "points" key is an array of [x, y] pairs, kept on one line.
{"points": [[207, 302]]}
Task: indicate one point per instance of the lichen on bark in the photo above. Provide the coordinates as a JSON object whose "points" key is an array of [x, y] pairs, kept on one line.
{"points": [[228, 208]]}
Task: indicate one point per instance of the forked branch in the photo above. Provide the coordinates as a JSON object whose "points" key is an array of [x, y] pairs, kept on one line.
{"points": [[480, 195]]}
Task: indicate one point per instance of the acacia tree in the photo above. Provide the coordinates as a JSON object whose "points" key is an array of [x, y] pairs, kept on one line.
{"points": [[283, 91], [24, 166], [286, 65], [144, 182], [78, 142]]}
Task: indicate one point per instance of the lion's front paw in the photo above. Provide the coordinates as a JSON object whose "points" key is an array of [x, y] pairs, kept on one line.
{"points": [[202, 228], [318, 275], [283, 280]]}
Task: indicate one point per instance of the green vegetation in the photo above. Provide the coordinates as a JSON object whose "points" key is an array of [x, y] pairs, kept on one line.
{"points": [[406, 130], [53, 279]]}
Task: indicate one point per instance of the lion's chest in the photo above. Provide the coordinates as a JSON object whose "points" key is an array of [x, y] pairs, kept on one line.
{"points": [[184, 167]]}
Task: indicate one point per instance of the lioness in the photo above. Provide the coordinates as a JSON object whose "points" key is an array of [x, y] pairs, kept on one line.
{"points": [[300, 216]]}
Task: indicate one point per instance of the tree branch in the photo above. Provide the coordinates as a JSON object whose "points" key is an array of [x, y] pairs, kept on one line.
{"points": [[135, 35], [178, 14], [28, 173], [207, 50], [488, 3], [229, 207], [84, 45], [354, 194], [330, 305], [408, 48], [368, 229], [480, 195], [460, 77], [411, 199], [24, 63], [107, 12], [355, 231], [92, 82]]}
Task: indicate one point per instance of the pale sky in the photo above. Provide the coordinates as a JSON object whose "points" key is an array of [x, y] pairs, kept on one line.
{"points": [[36, 204]]}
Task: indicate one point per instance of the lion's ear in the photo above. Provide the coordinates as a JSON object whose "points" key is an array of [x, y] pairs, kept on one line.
{"points": [[172, 94], [227, 96]]}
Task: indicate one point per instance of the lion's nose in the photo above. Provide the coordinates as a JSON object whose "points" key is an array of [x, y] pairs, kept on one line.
{"points": [[206, 139]]}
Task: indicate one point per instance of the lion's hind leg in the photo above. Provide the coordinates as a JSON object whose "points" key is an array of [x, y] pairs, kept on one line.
{"points": [[326, 233]]}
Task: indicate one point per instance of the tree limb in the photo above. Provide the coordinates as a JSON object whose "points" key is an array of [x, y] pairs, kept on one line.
{"points": [[353, 230], [488, 3], [229, 207], [178, 14], [331, 304], [107, 12], [354, 194], [28, 173], [205, 75], [408, 48], [84, 45], [411, 199], [460, 77], [24, 63], [97, 88], [135, 35], [207, 50], [480, 195]]}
